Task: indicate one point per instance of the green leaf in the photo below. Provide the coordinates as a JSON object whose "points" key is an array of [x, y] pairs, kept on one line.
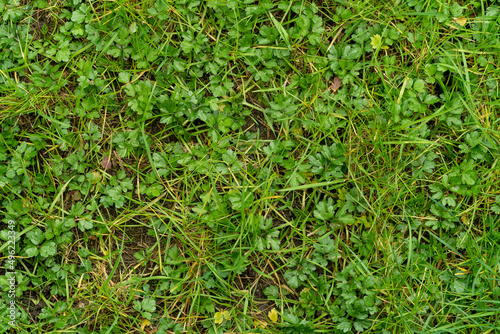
{"points": [[303, 22], [273, 242], [36, 236], [352, 52], [317, 30], [148, 305], [124, 77], [325, 210], [295, 178], [419, 86], [63, 54], [469, 178], [292, 279], [344, 326], [49, 248], [449, 200], [31, 251], [459, 286], [369, 300], [282, 31], [346, 218], [431, 99], [272, 291], [137, 305], [456, 10], [84, 224], [78, 16], [130, 89], [361, 325], [77, 30]]}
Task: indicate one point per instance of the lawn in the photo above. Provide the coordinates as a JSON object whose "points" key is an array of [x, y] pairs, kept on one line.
{"points": [[225, 166]]}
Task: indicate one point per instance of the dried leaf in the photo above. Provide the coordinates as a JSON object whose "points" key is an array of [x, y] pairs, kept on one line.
{"points": [[74, 195], [260, 323], [219, 317], [273, 315], [461, 271], [460, 20], [106, 163], [337, 82], [376, 42], [96, 177], [145, 323]]}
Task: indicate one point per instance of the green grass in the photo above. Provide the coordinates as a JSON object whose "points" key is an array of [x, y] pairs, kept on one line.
{"points": [[250, 167]]}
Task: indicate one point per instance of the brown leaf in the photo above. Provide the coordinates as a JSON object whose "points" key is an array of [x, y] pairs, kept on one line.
{"points": [[74, 195], [106, 163], [337, 82]]}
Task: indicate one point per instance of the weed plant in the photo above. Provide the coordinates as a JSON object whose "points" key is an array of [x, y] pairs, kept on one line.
{"points": [[224, 166]]}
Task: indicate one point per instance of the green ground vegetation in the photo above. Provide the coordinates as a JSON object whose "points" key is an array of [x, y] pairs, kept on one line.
{"points": [[224, 166]]}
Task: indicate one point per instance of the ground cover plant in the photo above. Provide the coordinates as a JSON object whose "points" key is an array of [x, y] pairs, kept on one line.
{"points": [[223, 166]]}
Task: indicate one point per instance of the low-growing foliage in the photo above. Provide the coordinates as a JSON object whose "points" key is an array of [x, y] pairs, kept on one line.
{"points": [[249, 166]]}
